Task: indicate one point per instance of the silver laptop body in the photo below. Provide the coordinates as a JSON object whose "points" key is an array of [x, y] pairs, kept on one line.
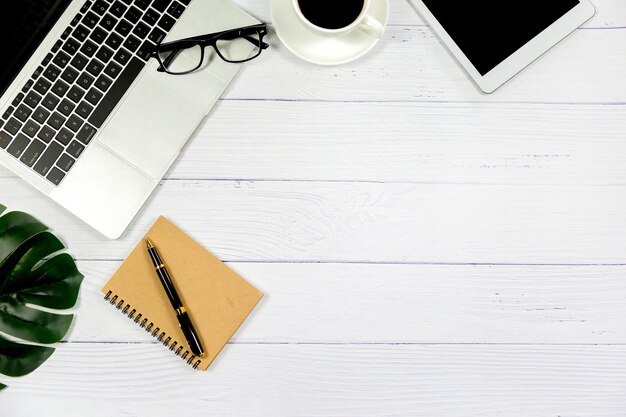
{"points": [[127, 149]]}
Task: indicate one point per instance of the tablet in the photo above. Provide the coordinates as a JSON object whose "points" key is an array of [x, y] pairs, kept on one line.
{"points": [[494, 39]]}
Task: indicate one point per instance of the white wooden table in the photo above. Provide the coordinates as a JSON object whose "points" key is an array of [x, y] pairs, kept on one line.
{"points": [[426, 250]]}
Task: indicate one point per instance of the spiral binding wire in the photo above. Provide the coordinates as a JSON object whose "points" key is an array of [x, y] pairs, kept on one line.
{"points": [[148, 327]]}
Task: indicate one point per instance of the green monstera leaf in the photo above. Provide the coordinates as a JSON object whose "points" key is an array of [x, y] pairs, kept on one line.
{"points": [[33, 273]]}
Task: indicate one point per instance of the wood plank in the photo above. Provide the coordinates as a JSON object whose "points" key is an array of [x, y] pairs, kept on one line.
{"points": [[435, 143], [404, 142], [311, 380], [411, 65], [609, 13], [348, 303], [367, 222]]}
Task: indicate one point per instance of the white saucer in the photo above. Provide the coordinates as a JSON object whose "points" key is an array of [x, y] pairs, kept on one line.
{"points": [[319, 49]]}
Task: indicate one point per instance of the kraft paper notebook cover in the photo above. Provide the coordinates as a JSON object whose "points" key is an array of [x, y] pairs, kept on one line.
{"points": [[217, 298]]}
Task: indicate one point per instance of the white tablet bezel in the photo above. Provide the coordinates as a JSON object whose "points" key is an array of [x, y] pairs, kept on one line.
{"points": [[523, 57]]}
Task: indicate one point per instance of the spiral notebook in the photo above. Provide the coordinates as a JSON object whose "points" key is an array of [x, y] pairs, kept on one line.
{"points": [[217, 298]]}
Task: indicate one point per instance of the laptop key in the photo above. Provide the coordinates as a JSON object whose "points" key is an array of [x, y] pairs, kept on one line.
{"points": [[75, 94], [66, 162], [37, 72], [66, 107], [41, 114], [64, 136], [86, 133], [75, 149], [100, 7], [60, 88], [108, 22], [142, 4], [55, 176], [47, 160], [103, 83], [122, 56], [114, 41], [123, 28], [91, 20], [95, 68], [133, 15], [98, 35], [84, 110], [56, 120], [145, 50], [141, 30], [80, 33], [132, 43], [69, 75], [8, 112], [42, 86], [13, 126], [66, 33], [5, 139], [85, 7], [151, 17], [176, 9], [74, 123], [32, 99], [89, 48], [50, 101], [93, 96], [104, 54], [71, 46], [46, 134], [156, 36], [79, 62], [47, 59], [22, 112], [85, 80], [118, 9], [52, 72], [18, 99], [27, 86], [31, 128], [117, 91], [18, 145], [61, 59], [166, 22], [112, 70], [161, 5], [76, 19], [33, 152], [57, 45]]}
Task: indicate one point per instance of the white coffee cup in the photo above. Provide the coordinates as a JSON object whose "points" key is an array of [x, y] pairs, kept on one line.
{"points": [[364, 22]]}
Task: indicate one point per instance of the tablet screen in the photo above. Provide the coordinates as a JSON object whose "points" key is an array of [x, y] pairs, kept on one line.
{"points": [[489, 31]]}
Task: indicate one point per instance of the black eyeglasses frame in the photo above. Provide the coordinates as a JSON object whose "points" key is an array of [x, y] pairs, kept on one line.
{"points": [[210, 39]]}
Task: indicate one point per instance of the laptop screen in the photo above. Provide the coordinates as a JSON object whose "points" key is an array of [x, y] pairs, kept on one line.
{"points": [[23, 25]]}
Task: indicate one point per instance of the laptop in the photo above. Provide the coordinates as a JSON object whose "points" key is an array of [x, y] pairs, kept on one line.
{"points": [[85, 117]]}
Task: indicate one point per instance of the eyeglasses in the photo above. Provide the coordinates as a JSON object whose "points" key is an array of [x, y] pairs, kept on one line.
{"points": [[234, 46]]}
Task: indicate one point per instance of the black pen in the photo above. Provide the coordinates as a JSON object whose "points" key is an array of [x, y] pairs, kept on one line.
{"points": [[181, 312]]}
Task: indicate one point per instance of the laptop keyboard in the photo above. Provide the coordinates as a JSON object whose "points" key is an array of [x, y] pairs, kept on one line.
{"points": [[81, 80]]}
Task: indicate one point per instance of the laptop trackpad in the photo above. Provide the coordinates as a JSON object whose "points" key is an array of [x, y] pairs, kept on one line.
{"points": [[158, 115]]}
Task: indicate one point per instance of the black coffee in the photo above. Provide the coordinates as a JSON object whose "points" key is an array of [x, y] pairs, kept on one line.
{"points": [[331, 14]]}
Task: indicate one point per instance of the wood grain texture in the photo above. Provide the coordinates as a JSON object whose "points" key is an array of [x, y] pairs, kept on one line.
{"points": [[367, 222], [411, 65], [319, 380], [434, 143], [395, 217], [355, 303]]}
